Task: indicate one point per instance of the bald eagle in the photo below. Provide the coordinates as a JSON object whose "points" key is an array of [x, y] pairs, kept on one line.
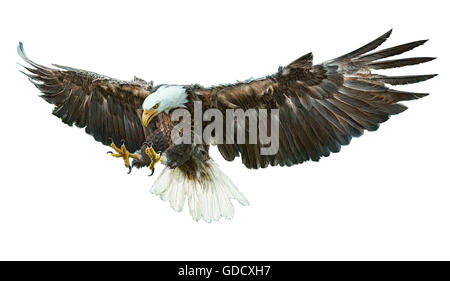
{"points": [[320, 108]]}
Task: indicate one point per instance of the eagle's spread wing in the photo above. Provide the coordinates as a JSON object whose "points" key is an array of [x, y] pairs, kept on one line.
{"points": [[321, 106], [109, 109]]}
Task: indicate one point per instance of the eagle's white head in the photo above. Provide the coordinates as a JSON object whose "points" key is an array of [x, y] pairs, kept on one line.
{"points": [[164, 99]]}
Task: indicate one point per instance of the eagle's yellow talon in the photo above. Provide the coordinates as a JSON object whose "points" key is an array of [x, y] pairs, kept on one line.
{"points": [[123, 153], [154, 157], [116, 148]]}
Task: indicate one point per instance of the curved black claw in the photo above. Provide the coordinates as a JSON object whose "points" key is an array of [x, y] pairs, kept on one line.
{"points": [[153, 171], [129, 169], [148, 143], [109, 152]]}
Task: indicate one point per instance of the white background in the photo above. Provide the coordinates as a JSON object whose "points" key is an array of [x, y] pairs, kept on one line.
{"points": [[386, 196]]}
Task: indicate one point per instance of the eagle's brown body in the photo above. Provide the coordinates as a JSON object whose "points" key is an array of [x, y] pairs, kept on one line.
{"points": [[189, 158]]}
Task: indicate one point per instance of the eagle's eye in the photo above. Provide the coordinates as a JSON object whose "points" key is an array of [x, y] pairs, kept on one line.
{"points": [[156, 106]]}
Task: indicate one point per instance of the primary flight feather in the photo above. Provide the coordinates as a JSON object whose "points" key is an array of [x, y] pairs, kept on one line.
{"points": [[320, 108]]}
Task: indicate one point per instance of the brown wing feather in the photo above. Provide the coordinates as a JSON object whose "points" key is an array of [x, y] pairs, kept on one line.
{"points": [[106, 107], [321, 106]]}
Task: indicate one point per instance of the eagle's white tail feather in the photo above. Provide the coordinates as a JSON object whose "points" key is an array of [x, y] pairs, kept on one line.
{"points": [[209, 198]]}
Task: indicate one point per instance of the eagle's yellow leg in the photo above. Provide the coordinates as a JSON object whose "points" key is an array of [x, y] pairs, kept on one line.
{"points": [[123, 153], [154, 157]]}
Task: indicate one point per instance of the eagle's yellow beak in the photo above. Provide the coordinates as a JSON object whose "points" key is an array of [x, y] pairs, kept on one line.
{"points": [[148, 115]]}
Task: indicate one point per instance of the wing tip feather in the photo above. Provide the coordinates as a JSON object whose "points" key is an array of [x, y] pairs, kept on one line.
{"points": [[21, 51]]}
